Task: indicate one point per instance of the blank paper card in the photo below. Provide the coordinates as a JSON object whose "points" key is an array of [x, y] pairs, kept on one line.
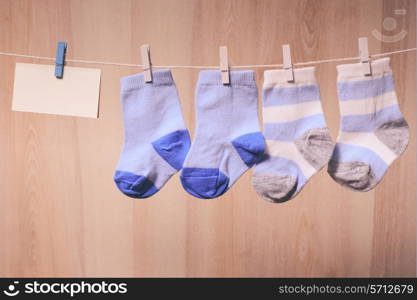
{"points": [[36, 89]]}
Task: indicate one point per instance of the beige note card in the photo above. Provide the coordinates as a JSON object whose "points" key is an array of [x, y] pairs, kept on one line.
{"points": [[36, 89]]}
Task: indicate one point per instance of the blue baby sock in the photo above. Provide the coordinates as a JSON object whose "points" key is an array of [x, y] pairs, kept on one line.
{"points": [[156, 140], [297, 138], [373, 131], [228, 140]]}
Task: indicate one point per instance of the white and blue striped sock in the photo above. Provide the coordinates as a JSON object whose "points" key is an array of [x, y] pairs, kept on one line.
{"points": [[373, 131], [297, 138]]}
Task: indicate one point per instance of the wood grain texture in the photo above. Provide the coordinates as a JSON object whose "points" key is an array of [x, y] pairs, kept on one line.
{"points": [[61, 214]]}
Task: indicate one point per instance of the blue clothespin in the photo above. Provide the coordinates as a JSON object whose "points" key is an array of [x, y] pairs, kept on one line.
{"points": [[60, 59]]}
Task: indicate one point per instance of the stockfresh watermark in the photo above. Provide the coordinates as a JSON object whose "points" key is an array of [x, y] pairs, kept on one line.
{"points": [[390, 25]]}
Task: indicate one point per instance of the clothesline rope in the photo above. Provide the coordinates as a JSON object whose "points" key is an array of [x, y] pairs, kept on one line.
{"points": [[314, 62]]}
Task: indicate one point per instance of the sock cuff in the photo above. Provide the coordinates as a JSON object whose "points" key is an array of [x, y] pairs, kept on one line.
{"points": [[305, 76], [213, 77], [379, 67], [159, 77]]}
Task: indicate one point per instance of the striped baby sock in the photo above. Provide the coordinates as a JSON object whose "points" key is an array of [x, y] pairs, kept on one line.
{"points": [[297, 138], [373, 132], [156, 140], [228, 140]]}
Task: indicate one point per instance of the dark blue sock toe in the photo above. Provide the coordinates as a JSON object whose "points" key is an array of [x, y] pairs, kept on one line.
{"points": [[135, 186], [205, 183]]}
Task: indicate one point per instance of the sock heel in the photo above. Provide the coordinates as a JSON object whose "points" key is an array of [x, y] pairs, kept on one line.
{"points": [[316, 146], [250, 147], [173, 147], [395, 135]]}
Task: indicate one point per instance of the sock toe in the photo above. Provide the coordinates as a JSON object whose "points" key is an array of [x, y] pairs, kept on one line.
{"points": [[134, 186], [204, 183], [354, 175], [274, 188]]}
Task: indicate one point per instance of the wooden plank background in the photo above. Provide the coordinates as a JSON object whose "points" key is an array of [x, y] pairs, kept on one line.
{"points": [[61, 214]]}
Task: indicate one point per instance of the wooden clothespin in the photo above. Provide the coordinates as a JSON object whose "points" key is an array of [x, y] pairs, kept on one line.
{"points": [[61, 50], [224, 65], [145, 51], [288, 67], [364, 56]]}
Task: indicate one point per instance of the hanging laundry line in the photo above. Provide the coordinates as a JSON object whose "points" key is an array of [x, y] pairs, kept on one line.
{"points": [[314, 62]]}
